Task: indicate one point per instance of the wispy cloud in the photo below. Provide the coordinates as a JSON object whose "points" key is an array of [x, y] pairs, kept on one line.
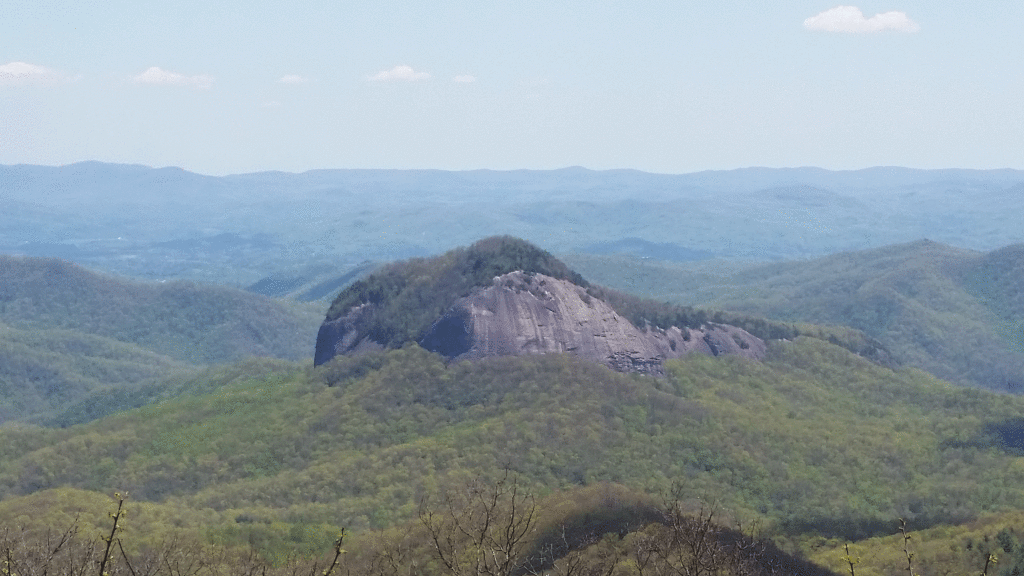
{"points": [[293, 79], [465, 78], [23, 74], [851, 20], [401, 73], [156, 75]]}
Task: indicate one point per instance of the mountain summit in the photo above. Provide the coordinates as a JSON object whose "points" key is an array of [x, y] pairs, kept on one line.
{"points": [[505, 297]]}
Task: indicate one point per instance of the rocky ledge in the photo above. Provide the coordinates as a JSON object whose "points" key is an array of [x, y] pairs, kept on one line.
{"points": [[522, 313]]}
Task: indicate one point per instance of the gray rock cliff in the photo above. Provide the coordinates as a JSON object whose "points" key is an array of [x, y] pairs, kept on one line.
{"points": [[521, 313]]}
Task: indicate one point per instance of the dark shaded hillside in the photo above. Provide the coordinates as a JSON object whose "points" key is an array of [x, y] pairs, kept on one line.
{"points": [[182, 320]]}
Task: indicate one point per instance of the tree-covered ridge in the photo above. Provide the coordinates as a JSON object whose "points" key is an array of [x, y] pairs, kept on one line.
{"points": [[956, 313], [409, 296], [189, 322], [43, 371], [649, 312], [492, 524], [991, 544]]}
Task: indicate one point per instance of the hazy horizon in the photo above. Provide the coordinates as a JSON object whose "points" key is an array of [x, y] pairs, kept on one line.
{"points": [[555, 169], [662, 87]]}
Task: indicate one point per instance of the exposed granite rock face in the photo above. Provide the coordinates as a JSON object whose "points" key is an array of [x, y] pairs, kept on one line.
{"points": [[522, 313], [340, 336], [535, 314]]}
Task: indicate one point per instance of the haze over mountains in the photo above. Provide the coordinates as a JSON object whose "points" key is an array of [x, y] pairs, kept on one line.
{"points": [[169, 223]]}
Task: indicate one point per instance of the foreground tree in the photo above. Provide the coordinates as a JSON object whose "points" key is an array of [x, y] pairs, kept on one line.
{"points": [[482, 528]]}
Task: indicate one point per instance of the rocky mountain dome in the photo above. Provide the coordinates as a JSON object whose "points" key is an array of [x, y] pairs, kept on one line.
{"points": [[510, 313], [524, 313]]}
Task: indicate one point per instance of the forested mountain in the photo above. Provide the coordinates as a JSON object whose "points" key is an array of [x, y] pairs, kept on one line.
{"points": [[504, 296], [184, 320], [44, 370], [66, 332], [812, 442], [819, 440], [957, 313]]}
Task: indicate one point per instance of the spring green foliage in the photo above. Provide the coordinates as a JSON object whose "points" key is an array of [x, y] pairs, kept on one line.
{"points": [[200, 324], [42, 371], [813, 440], [958, 314], [68, 335], [945, 549], [491, 525]]}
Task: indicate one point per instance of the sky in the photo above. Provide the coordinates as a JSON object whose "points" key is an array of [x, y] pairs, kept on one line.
{"points": [[670, 86]]}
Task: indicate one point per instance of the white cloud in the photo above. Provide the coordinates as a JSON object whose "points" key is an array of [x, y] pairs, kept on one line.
{"points": [[851, 19], [399, 73], [465, 78], [293, 79], [156, 75], [22, 73]]}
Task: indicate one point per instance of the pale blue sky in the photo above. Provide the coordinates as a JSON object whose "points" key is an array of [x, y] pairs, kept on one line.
{"points": [[223, 87]]}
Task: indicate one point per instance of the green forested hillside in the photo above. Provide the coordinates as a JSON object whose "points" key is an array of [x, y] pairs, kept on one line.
{"points": [[814, 440], [70, 337], [42, 371], [189, 322], [956, 313], [992, 544]]}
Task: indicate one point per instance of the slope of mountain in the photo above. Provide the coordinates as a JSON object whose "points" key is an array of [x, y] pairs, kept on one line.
{"points": [[185, 321], [812, 440], [957, 313], [503, 296], [67, 333], [44, 370]]}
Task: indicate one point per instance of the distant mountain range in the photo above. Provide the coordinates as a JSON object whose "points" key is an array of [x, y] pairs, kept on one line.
{"points": [[168, 223]]}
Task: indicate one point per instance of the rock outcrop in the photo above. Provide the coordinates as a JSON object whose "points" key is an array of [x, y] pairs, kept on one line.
{"points": [[522, 313], [342, 336]]}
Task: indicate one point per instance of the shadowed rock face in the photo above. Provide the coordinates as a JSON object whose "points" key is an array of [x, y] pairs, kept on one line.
{"points": [[522, 313], [535, 314], [340, 336]]}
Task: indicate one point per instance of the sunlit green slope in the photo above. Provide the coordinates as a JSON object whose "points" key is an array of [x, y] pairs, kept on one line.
{"points": [[814, 439], [958, 314], [67, 334], [185, 321]]}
